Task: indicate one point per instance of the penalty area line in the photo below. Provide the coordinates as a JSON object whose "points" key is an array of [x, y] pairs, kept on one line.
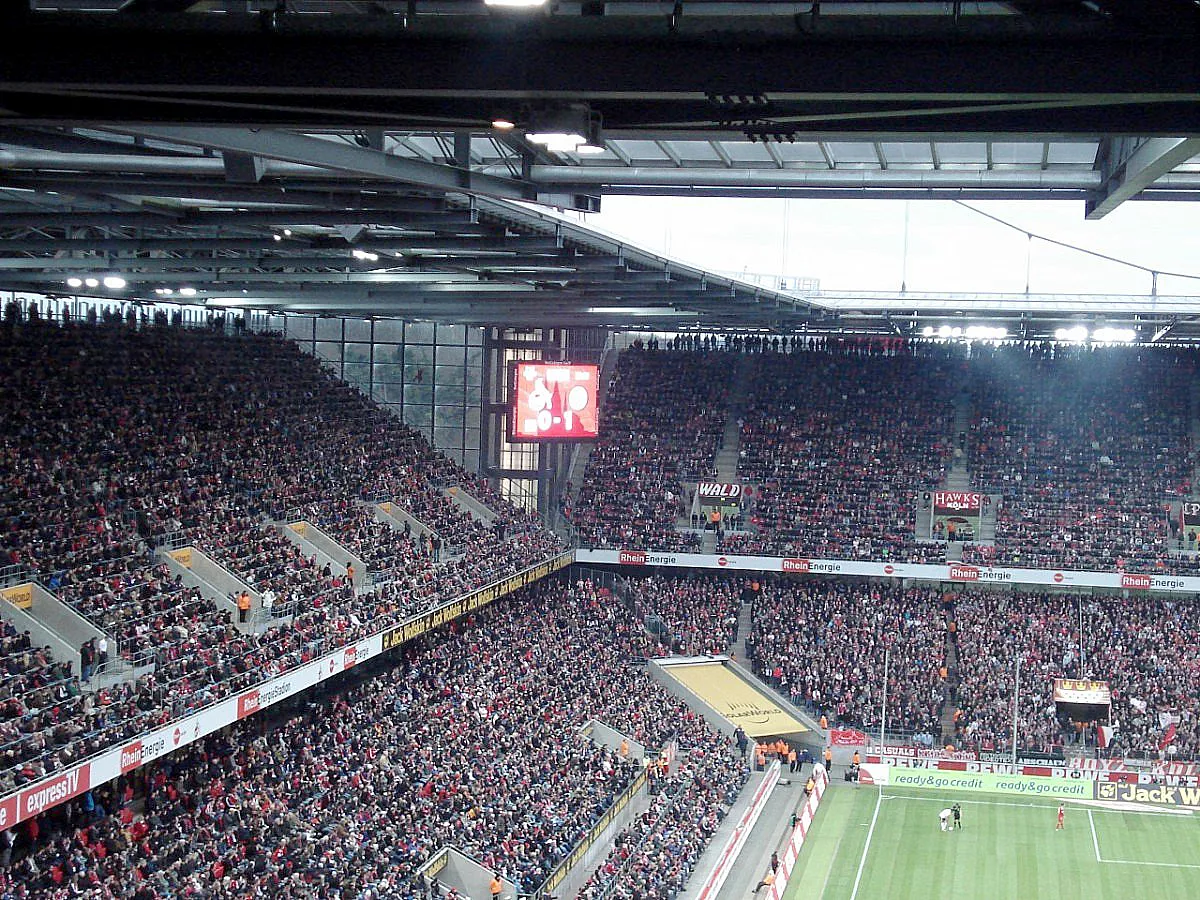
{"points": [[866, 848], [1095, 840]]}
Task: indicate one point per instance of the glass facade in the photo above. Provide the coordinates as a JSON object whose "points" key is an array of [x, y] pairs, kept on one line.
{"points": [[429, 375]]}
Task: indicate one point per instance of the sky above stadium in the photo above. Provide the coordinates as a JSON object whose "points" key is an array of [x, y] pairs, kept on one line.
{"points": [[866, 244]]}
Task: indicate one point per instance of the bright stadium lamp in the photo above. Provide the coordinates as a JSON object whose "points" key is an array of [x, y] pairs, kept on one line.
{"points": [[515, 4]]}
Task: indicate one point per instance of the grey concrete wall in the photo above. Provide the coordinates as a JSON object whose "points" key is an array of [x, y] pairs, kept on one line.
{"points": [[397, 516], [40, 633], [454, 869], [472, 504], [214, 581], [604, 736], [316, 543]]}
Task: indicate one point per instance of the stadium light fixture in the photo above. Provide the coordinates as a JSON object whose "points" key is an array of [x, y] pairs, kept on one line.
{"points": [[287, 232], [515, 4], [1076, 335], [927, 331], [1114, 335], [944, 331], [92, 282], [114, 282], [502, 124], [364, 255], [187, 291], [562, 129], [75, 282]]}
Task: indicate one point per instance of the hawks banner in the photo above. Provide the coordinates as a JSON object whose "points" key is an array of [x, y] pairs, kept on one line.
{"points": [[956, 515]]}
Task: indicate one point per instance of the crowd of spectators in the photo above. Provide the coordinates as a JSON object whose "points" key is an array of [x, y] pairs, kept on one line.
{"points": [[698, 614], [662, 423], [1140, 645], [117, 439], [472, 739], [1086, 447], [840, 444], [824, 643]]}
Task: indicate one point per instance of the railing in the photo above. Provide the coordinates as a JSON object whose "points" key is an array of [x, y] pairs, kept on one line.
{"points": [[579, 851], [317, 647]]}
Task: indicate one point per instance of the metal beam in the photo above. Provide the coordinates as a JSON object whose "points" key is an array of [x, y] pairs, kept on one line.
{"points": [[1127, 166], [304, 150]]}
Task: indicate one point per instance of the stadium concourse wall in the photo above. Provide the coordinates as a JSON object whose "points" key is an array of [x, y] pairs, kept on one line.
{"points": [[953, 572], [73, 781]]}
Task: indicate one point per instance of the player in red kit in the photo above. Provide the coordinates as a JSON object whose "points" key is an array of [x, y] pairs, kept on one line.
{"points": [[1062, 814]]}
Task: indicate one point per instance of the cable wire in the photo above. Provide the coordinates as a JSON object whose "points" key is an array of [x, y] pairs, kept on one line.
{"points": [[1066, 246]]}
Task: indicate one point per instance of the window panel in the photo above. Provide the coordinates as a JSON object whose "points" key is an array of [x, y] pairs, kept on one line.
{"points": [[449, 416], [388, 393], [388, 353], [418, 394], [418, 355], [358, 329], [418, 416], [330, 352], [451, 334], [300, 328], [450, 356], [449, 438], [389, 330], [418, 332], [358, 373], [329, 329], [358, 353], [388, 374], [449, 374]]}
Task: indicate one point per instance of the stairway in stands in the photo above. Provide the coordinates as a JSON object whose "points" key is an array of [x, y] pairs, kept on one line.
{"points": [[730, 448]]}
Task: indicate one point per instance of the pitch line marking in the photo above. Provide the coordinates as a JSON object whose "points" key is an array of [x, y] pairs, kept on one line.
{"points": [[1138, 862], [870, 833], [1095, 840]]}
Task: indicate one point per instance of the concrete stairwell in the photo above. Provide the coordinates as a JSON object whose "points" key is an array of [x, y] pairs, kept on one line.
{"points": [[958, 478], [51, 622], [726, 459], [950, 706], [731, 440]]}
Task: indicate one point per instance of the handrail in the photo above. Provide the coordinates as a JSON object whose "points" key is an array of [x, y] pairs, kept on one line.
{"points": [[556, 877]]}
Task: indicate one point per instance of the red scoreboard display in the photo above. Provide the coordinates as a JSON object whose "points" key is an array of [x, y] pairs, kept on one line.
{"points": [[555, 402]]}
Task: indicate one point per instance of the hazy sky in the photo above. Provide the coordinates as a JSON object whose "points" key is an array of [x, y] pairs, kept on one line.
{"points": [[860, 244]]}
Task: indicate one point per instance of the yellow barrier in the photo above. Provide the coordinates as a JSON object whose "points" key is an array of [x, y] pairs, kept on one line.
{"points": [[20, 595]]}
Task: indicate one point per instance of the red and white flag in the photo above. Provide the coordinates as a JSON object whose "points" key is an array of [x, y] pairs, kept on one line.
{"points": [[1168, 737], [1104, 735]]}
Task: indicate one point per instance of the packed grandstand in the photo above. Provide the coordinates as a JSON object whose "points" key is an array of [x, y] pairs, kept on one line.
{"points": [[121, 441]]}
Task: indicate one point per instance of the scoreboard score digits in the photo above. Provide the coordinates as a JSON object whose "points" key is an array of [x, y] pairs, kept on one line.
{"points": [[555, 402]]}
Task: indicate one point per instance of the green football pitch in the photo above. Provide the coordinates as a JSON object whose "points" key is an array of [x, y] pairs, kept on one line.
{"points": [[873, 844]]}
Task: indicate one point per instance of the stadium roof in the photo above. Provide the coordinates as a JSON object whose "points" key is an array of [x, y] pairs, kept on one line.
{"points": [[263, 152]]}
